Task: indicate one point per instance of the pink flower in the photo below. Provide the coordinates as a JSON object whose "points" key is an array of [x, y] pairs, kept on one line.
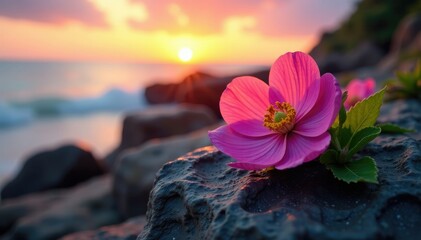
{"points": [[281, 125], [358, 90]]}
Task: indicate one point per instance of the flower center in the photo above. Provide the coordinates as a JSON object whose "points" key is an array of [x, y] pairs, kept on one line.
{"points": [[280, 117]]}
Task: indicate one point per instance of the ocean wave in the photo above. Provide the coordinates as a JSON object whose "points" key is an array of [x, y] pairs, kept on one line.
{"points": [[11, 116], [116, 100], [113, 100]]}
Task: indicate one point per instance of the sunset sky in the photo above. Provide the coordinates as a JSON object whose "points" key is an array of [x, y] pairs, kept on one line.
{"points": [[217, 31]]}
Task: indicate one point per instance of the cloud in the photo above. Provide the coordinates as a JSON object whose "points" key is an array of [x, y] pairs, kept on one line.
{"points": [[196, 17], [302, 17], [53, 11], [270, 17]]}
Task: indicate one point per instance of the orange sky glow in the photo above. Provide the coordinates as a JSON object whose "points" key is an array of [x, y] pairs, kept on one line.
{"points": [[246, 31]]}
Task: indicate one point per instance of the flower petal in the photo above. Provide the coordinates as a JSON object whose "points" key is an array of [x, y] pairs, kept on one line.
{"points": [[252, 128], [358, 90], [324, 112], [295, 76], [261, 151], [245, 99], [275, 96], [370, 87], [302, 149]]}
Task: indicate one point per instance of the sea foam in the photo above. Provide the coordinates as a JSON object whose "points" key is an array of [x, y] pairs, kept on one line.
{"points": [[11, 116], [115, 100]]}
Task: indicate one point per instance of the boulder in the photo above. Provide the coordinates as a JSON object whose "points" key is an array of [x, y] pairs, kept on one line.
{"points": [[166, 93], [135, 171], [160, 121], [198, 88], [11, 210], [128, 230], [209, 90], [62, 167], [84, 207], [161, 93], [199, 197]]}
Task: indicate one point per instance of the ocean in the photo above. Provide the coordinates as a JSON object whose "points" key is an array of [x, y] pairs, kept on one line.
{"points": [[46, 104]]}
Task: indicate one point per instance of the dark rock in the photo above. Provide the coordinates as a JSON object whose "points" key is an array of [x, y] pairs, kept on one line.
{"points": [[84, 207], [199, 197], [158, 122], [208, 91], [128, 230], [161, 93], [198, 88], [166, 93], [58, 168], [135, 171], [365, 54], [11, 210]]}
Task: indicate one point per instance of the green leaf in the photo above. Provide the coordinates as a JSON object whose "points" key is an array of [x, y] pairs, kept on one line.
{"points": [[364, 113], [342, 111], [344, 136], [392, 128], [340, 119], [361, 138], [362, 170], [329, 157]]}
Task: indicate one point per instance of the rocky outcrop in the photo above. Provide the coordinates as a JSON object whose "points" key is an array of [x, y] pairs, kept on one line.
{"points": [[408, 35], [365, 33], [406, 44], [128, 230], [52, 215], [198, 88], [63, 167], [135, 172], [363, 55], [158, 122], [199, 197], [167, 93]]}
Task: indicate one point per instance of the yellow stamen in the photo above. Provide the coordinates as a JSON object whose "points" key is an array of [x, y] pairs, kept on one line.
{"points": [[280, 117]]}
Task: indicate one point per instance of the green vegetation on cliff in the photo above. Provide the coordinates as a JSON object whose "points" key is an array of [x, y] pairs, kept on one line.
{"points": [[374, 21]]}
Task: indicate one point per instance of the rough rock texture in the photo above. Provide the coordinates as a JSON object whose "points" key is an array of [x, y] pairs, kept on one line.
{"points": [[199, 197], [198, 88], [158, 122], [128, 230], [135, 171], [63, 167], [84, 207]]}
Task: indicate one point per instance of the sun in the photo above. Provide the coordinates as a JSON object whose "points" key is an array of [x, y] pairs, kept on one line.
{"points": [[185, 54]]}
